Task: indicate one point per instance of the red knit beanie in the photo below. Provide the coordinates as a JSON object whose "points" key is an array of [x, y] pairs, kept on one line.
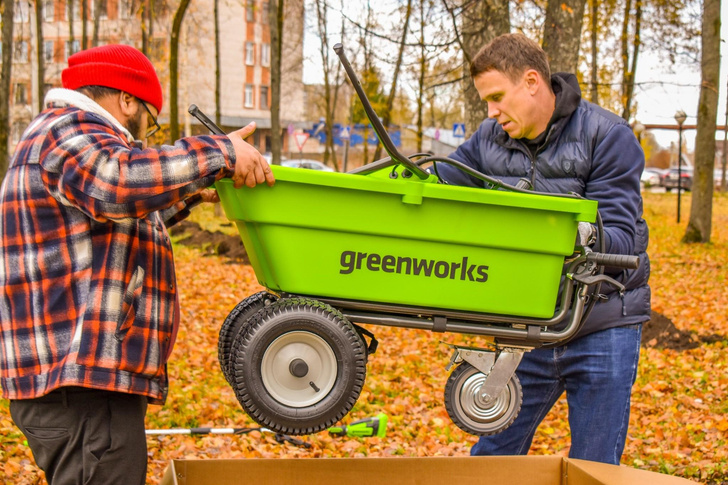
{"points": [[115, 66]]}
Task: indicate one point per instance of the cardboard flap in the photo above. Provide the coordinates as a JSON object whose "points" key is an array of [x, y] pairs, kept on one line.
{"points": [[463, 470], [537, 470], [582, 472]]}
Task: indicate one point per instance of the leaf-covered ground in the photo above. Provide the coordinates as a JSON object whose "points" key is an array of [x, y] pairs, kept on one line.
{"points": [[679, 422]]}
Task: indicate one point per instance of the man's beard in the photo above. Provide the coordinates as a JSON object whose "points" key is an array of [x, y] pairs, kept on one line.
{"points": [[134, 124]]}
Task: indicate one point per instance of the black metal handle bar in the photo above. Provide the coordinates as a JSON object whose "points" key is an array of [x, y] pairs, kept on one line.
{"points": [[374, 119], [522, 186], [195, 111]]}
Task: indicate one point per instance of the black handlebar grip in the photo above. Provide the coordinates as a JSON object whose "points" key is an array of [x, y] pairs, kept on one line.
{"points": [[615, 260]]}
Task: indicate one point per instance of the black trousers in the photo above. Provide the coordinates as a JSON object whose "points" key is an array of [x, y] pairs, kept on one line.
{"points": [[85, 436]]}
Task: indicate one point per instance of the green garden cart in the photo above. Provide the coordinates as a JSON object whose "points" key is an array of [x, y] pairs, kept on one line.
{"points": [[390, 244]]}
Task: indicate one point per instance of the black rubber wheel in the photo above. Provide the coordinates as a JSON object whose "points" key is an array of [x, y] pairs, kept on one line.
{"points": [[470, 412], [299, 366], [236, 320]]}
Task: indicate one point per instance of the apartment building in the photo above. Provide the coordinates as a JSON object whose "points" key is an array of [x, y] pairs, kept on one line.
{"points": [[245, 54]]}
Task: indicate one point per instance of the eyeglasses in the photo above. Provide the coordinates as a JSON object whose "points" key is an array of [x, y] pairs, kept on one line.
{"points": [[152, 125]]}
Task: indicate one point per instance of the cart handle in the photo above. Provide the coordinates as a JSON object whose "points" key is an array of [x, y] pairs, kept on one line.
{"points": [[614, 260], [195, 111], [374, 119]]}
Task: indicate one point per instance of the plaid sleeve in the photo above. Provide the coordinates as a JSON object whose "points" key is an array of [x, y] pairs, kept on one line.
{"points": [[88, 164]]}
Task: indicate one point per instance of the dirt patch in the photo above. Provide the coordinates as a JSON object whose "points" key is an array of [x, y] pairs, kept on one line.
{"points": [[660, 332], [211, 243]]}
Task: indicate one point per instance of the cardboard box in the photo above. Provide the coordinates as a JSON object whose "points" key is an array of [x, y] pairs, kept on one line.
{"points": [[507, 470]]}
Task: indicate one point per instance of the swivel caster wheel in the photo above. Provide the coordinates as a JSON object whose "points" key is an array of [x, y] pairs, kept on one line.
{"points": [[475, 414]]}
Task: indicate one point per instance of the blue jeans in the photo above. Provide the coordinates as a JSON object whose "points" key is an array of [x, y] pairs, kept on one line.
{"points": [[597, 372]]}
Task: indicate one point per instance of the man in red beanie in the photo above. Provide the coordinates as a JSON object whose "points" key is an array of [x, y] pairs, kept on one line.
{"points": [[89, 310]]}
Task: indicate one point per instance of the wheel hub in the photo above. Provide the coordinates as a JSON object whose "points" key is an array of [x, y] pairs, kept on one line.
{"points": [[480, 407], [298, 369]]}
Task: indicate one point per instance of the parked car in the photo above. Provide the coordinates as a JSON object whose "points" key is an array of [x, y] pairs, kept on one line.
{"points": [[651, 176], [670, 177], [304, 163], [269, 157]]}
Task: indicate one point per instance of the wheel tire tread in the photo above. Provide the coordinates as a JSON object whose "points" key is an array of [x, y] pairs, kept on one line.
{"points": [[232, 325], [285, 306]]}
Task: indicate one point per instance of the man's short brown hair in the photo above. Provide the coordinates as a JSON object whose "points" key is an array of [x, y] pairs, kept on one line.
{"points": [[512, 55]]}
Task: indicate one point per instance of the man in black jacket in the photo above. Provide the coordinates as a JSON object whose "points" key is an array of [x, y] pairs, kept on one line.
{"points": [[538, 127]]}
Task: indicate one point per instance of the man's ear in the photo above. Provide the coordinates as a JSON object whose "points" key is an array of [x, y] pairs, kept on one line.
{"points": [[533, 80], [127, 104]]}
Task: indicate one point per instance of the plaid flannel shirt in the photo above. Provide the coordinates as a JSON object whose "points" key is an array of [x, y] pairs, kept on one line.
{"points": [[87, 270]]}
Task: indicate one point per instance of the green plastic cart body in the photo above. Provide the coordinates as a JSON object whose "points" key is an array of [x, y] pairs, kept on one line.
{"points": [[406, 241]]}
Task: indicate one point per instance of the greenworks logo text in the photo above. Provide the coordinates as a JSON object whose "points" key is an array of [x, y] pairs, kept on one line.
{"points": [[462, 270]]}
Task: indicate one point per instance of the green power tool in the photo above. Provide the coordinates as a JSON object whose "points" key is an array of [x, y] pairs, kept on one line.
{"points": [[364, 428]]}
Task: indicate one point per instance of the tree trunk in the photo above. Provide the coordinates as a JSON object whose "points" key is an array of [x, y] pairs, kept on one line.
{"points": [[144, 27], [421, 78], [97, 21], [625, 52], [724, 158], [179, 16], [6, 8], [69, 10], [701, 208], [147, 16], [275, 21], [629, 75], [322, 21], [387, 114], [481, 23], [594, 51], [84, 26], [562, 34], [216, 14], [40, 94]]}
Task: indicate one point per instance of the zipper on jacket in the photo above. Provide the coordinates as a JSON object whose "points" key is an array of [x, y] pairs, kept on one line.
{"points": [[534, 156]]}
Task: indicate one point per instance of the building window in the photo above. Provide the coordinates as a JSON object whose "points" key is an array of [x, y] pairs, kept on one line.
{"points": [[248, 101], [72, 47], [265, 55], [250, 11], [21, 94], [48, 51], [249, 53], [264, 104], [266, 12], [22, 13], [20, 55], [49, 10]]}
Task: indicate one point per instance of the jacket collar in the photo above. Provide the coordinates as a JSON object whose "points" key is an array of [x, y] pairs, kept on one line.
{"points": [[67, 97]]}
